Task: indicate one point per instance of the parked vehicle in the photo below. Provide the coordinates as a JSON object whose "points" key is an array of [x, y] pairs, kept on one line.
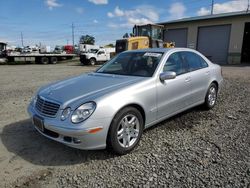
{"points": [[69, 49], [58, 49], [44, 49], [135, 90], [43, 56], [94, 56], [26, 49], [144, 36]]}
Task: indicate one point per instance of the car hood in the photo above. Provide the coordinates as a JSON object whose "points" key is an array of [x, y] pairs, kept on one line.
{"points": [[86, 86]]}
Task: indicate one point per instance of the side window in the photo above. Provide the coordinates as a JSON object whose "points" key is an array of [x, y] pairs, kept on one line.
{"points": [[101, 52], [174, 63], [194, 61], [203, 63]]}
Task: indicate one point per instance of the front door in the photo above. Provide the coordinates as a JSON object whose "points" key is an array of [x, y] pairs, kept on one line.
{"points": [[101, 56], [174, 94]]}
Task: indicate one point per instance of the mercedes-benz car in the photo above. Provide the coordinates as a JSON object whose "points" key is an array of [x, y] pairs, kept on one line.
{"points": [[110, 108]]}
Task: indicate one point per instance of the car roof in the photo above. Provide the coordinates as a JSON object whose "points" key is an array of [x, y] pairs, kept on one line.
{"points": [[160, 50]]}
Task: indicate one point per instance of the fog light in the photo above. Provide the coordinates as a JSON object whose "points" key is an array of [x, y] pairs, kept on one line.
{"points": [[65, 113], [76, 140]]}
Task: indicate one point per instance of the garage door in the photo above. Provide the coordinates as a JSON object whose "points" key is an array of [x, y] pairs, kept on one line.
{"points": [[179, 36], [213, 42]]}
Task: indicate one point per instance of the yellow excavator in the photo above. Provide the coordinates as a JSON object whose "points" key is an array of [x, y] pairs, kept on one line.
{"points": [[143, 36]]}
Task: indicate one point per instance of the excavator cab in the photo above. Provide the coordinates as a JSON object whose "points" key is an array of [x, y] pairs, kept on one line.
{"points": [[144, 36]]}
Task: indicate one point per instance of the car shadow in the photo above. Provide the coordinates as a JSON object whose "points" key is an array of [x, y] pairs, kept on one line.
{"points": [[24, 141], [183, 120]]}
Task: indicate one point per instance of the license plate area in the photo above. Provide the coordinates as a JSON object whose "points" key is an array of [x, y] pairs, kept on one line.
{"points": [[38, 122]]}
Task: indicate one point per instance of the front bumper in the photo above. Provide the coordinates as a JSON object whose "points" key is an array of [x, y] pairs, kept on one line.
{"points": [[76, 136]]}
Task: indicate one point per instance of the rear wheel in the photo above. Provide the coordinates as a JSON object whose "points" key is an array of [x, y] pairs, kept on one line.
{"points": [[44, 60], [211, 96], [125, 131], [53, 60]]}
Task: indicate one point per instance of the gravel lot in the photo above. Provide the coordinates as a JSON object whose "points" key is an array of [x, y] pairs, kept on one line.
{"points": [[194, 149]]}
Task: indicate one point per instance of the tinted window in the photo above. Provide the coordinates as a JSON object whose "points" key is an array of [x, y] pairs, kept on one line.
{"points": [[194, 61], [203, 62], [175, 64]]}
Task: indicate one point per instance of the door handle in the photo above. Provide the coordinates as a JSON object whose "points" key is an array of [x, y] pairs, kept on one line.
{"points": [[188, 79], [207, 72]]}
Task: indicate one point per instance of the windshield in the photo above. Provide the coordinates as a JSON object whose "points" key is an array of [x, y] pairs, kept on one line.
{"points": [[133, 64]]}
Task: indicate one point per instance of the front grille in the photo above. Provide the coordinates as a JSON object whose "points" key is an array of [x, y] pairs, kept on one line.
{"points": [[46, 107]]}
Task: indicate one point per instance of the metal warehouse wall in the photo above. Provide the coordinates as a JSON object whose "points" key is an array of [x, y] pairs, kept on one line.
{"points": [[236, 35]]}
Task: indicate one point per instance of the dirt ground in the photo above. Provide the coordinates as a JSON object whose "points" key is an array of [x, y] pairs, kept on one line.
{"points": [[27, 159]]}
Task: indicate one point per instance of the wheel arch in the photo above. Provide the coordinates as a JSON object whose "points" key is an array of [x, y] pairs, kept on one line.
{"points": [[136, 106], [216, 83]]}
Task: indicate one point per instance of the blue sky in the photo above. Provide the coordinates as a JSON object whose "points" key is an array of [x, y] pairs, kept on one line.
{"points": [[49, 21]]}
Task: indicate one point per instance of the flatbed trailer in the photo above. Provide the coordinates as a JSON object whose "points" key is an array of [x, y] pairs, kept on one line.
{"points": [[42, 58]]}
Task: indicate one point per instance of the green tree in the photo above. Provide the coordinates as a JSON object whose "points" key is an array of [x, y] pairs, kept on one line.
{"points": [[87, 39], [109, 45]]}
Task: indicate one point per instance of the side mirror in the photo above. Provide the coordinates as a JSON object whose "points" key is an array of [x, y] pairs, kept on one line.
{"points": [[167, 75]]}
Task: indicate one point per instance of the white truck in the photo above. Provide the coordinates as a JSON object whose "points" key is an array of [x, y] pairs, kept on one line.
{"points": [[95, 56]]}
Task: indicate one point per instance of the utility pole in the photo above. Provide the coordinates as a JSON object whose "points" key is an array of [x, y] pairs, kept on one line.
{"points": [[212, 7], [22, 38], [73, 34], [248, 4]]}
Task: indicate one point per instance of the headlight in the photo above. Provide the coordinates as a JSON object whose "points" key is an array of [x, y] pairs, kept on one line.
{"points": [[33, 100], [83, 112], [65, 113]]}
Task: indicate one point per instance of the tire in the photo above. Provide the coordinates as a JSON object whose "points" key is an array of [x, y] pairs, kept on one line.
{"points": [[123, 136], [53, 60], [44, 60], [211, 96], [92, 61]]}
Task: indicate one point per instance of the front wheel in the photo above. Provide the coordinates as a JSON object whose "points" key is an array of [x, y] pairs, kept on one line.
{"points": [[92, 61], [211, 96], [125, 131]]}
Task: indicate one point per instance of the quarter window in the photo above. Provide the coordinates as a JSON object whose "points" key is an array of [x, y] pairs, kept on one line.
{"points": [[175, 64]]}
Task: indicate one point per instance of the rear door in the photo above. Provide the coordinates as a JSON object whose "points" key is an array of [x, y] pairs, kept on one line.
{"points": [[199, 75], [173, 95]]}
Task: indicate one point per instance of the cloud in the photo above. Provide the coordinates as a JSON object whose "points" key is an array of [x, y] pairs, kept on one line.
{"points": [[203, 11], [95, 21], [110, 14], [52, 4], [99, 2], [229, 6], [177, 10], [79, 10], [143, 14], [118, 11]]}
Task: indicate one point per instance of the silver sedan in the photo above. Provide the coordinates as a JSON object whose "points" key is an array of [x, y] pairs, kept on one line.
{"points": [[135, 90]]}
